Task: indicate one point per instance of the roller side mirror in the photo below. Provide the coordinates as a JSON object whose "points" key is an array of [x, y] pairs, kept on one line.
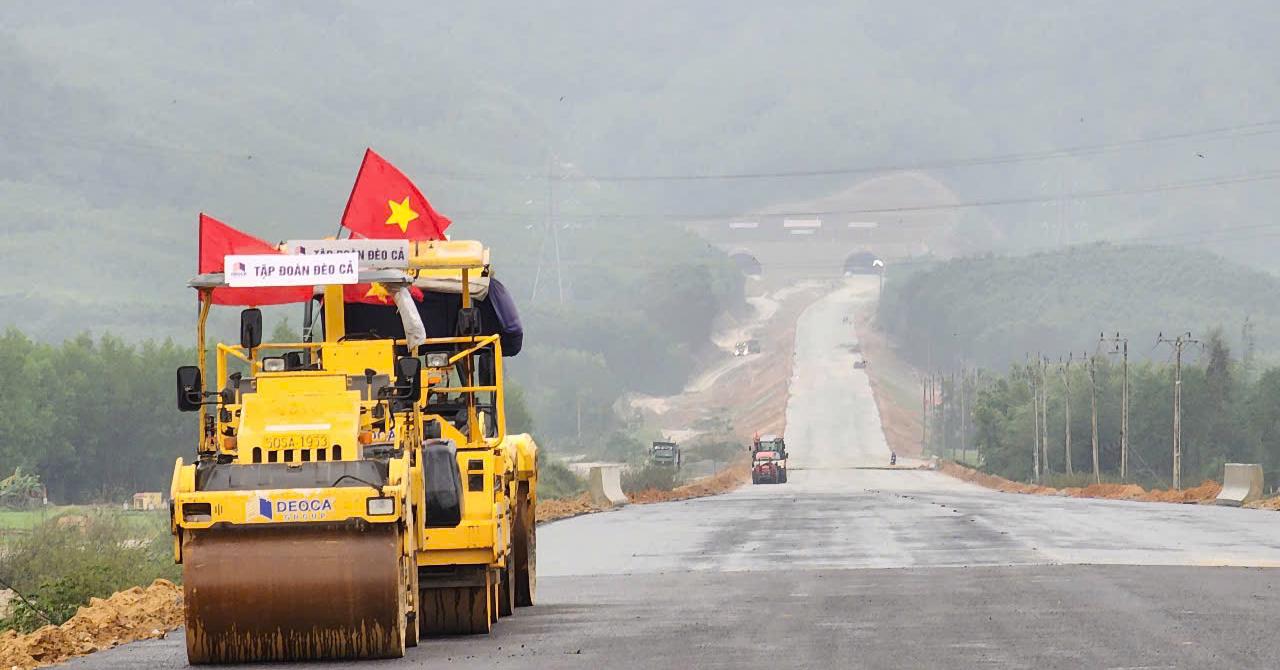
{"points": [[190, 388]]}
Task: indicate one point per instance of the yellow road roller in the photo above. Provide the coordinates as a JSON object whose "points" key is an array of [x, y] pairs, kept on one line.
{"points": [[358, 489]]}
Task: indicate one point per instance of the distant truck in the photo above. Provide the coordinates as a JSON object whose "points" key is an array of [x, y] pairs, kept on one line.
{"points": [[665, 454]]}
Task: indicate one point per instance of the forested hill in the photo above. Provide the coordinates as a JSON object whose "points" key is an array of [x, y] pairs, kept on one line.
{"points": [[123, 119], [993, 311]]}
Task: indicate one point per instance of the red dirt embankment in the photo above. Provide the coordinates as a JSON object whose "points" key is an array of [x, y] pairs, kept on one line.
{"points": [[728, 479], [127, 616], [1204, 493]]}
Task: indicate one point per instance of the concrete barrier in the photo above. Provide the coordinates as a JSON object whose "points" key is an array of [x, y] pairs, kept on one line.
{"points": [[1241, 483], [605, 484]]}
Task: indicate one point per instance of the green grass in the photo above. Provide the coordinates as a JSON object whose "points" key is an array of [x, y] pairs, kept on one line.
{"points": [[59, 567], [26, 519]]}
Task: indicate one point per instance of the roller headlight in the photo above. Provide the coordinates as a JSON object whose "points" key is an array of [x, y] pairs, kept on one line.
{"points": [[381, 506]]}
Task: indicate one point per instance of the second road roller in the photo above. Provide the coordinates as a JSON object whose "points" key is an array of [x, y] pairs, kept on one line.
{"points": [[358, 489]]}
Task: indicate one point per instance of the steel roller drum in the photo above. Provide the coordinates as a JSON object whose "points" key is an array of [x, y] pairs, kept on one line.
{"points": [[300, 592]]}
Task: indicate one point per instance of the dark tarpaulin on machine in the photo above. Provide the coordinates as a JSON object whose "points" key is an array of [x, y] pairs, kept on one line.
{"points": [[439, 311]]}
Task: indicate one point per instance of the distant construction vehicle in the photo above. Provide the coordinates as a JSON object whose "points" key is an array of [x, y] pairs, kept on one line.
{"points": [[769, 443], [351, 494], [768, 467], [665, 454], [768, 459]]}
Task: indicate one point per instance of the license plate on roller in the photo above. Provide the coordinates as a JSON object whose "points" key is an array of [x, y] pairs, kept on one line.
{"points": [[296, 442]]}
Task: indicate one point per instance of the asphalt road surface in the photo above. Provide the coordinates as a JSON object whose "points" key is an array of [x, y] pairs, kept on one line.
{"points": [[855, 568]]}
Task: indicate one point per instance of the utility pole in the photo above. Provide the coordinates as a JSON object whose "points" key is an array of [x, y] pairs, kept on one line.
{"points": [[1035, 414], [1093, 406], [924, 414], [1248, 343], [1043, 372], [1120, 345], [1066, 397], [964, 446], [1178, 343]]}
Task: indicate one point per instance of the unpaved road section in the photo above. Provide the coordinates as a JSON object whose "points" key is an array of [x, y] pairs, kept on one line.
{"points": [[852, 568]]}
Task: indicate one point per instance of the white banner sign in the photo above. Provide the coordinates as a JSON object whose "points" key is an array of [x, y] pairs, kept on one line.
{"points": [[281, 270], [374, 254]]}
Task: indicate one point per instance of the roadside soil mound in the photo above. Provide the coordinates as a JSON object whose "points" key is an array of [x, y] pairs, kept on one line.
{"points": [[1272, 503], [1204, 493], [992, 481], [554, 510], [726, 480], [127, 616]]}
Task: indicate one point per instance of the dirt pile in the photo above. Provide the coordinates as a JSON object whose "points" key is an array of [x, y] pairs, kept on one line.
{"points": [[1272, 503], [554, 510], [127, 616], [1113, 491], [1204, 493], [992, 481], [726, 480]]}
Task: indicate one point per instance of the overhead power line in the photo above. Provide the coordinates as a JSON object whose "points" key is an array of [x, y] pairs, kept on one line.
{"points": [[1222, 132], [1268, 175], [1026, 156]]}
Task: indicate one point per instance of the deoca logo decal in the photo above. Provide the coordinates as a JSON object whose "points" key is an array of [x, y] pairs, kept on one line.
{"points": [[295, 509], [258, 507], [304, 509]]}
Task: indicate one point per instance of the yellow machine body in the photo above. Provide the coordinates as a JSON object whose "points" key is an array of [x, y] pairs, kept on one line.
{"points": [[302, 523]]}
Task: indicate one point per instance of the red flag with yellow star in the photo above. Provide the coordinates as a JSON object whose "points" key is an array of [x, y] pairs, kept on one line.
{"points": [[385, 204], [217, 240], [375, 294]]}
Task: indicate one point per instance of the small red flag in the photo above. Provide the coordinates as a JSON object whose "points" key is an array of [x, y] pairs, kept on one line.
{"points": [[375, 294], [217, 240], [385, 204]]}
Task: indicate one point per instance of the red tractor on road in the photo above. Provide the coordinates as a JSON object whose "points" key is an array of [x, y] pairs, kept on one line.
{"points": [[768, 459], [768, 467]]}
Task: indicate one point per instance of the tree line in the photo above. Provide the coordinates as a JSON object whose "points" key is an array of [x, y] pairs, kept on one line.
{"points": [[1017, 420], [94, 418]]}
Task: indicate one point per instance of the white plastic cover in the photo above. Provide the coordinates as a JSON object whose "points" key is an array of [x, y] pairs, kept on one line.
{"points": [[415, 334]]}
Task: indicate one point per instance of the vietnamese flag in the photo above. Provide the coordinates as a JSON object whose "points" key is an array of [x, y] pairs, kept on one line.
{"points": [[385, 204], [217, 239], [374, 294]]}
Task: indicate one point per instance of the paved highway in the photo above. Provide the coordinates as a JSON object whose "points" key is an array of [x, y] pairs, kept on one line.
{"points": [[848, 567]]}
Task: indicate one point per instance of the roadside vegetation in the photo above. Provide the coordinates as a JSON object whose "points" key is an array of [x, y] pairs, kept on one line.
{"points": [[1229, 414], [58, 565], [556, 481], [649, 477]]}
